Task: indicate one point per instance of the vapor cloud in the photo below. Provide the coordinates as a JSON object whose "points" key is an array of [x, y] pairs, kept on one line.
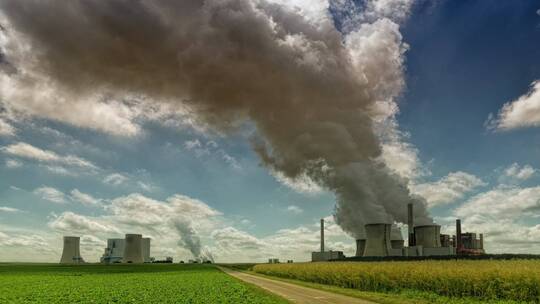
{"points": [[309, 89], [520, 113]]}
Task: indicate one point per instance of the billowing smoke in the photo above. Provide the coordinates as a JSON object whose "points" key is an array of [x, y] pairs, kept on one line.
{"points": [[311, 91], [190, 240]]}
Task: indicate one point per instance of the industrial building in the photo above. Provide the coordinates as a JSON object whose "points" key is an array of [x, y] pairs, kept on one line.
{"points": [[384, 240], [132, 249], [319, 256], [71, 254]]}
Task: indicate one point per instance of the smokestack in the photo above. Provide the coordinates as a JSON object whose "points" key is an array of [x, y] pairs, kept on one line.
{"points": [[322, 235], [459, 244], [410, 223], [71, 253]]}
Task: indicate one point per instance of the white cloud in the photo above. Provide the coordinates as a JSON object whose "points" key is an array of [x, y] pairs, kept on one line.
{"points": [[211, 148], [519, 113], [21, 240], [504, 202], [13, 163], [28, 151], [61, 171], [51, 194], [115, 179], [71, 222], [301, 184], [9, 209], [83, 198], [521, 173], [6, 129], [450, 188], [538, 12], [294, 209]]}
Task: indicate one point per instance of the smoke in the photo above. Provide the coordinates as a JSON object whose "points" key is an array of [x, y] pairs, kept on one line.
{"points": [[311, 91], [189, 239]]}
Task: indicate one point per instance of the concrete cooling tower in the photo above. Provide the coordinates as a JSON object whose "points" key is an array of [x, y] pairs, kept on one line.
{"points": [[71, 253], [378, 240], [428, 236], [360, 247], [146, 250], [133, 249], [396, 239]]}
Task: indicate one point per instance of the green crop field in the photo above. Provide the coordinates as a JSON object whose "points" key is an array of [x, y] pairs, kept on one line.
{"points": [[514, 280], [164, 283]]}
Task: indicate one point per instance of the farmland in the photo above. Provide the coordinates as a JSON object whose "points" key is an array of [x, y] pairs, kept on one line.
{"points": [[27, 283], [515, 280]]}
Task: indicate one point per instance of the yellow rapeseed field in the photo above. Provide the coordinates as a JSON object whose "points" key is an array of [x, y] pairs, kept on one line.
{"points": [[512, 280]]}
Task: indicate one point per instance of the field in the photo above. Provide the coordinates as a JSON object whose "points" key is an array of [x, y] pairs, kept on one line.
{"points": [[125, 284], [514, 281]]}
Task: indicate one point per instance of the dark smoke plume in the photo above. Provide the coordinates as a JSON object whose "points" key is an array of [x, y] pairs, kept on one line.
{"points": [[309, 89]]}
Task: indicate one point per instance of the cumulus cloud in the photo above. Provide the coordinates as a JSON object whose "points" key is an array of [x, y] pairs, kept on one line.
{"points": [[13, 163], [71, 222], [51, 194], [520, 113], [6, 129], [83, 198], [306, 87], [518, 172], [23, 240], [449, 189], [28, 151], [294, 209], [507, 215], [115, 179]]}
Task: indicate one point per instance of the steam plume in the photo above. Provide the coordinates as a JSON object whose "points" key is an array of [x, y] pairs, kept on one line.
{"points": [[310, 90]]}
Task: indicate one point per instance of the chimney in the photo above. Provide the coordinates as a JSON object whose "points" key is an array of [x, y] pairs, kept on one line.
{"points": [[322, 235], [459, 244], [410, 224]]}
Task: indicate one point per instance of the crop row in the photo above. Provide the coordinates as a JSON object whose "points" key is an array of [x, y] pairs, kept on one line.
{"points": [[517, 280]]}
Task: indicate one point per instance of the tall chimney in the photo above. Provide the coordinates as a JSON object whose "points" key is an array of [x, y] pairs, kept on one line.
{"points": [[410, 224], [322, 235], [459, 244]]}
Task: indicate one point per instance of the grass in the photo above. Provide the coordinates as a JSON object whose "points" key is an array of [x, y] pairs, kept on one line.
{"points": [[125, 284], [516, 281]]}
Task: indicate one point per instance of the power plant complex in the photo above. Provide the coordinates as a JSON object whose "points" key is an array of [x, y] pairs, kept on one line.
{"points": [[133, 249], [385, 240]]}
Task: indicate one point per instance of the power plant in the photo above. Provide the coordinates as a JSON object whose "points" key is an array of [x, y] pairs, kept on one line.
{"points": [[133, 249], [71, 253], [385, 240]]}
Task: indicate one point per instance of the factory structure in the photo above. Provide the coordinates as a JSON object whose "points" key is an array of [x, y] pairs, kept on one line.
{"points": [[385, 240], [133, 249]]}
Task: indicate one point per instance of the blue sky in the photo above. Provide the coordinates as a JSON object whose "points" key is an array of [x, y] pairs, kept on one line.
{"points": [[465, 60]]}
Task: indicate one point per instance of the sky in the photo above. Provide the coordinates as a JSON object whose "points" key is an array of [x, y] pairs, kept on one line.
{"points": [[206, 151]]}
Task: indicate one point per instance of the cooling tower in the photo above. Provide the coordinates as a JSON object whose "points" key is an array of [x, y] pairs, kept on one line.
{"points": [[428, 236], [133, 252], [378, 240], [360, 247], [146, 250], [396, 239], [71, 253]]}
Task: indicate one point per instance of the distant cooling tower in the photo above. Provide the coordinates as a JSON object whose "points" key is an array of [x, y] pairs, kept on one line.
{"points": [[428, 236], [146, 250], [133, 252], [360, 247], [378, 240], [71, 253]]}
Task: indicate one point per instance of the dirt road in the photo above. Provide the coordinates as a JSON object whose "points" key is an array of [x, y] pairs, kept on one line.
{"points": [[295, 293]]}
